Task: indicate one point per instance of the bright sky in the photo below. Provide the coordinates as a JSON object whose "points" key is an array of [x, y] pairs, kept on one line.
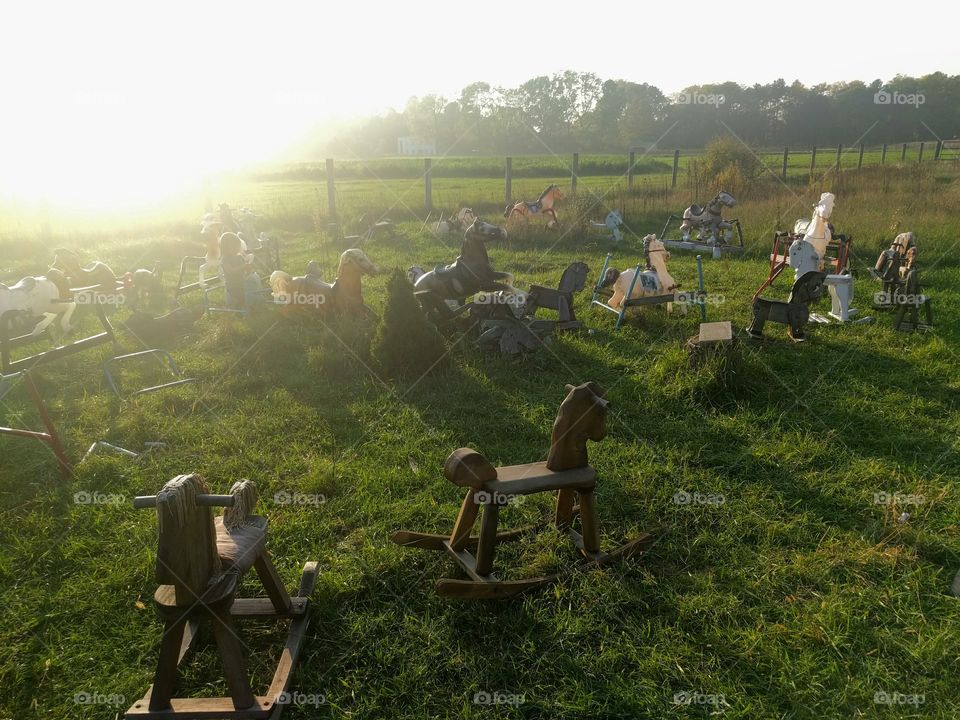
{"points": [[114, 101]]}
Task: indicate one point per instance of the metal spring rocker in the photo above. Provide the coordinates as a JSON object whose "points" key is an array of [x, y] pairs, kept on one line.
{"points": [[601, 295], [200, 563], [162, 356]]}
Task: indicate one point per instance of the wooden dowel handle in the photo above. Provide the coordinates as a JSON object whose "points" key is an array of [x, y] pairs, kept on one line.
{"points": [[149, 501]]}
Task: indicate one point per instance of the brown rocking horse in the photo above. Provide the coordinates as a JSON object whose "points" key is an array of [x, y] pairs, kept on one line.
{"points": [[582, 416], [543, 205], [309, 292], [200, 563]]}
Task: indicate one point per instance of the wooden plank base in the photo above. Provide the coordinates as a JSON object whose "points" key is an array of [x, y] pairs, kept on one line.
{"points": [[492, 588], [264, 706]]}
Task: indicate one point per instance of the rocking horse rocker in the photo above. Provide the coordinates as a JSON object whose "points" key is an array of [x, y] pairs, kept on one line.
{"points": [[200, 563], [582, 416]]}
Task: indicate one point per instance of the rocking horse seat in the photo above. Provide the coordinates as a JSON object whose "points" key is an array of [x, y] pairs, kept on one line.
{"points": [[240, 547], [537, 477], [534, 207], [466, 467]]}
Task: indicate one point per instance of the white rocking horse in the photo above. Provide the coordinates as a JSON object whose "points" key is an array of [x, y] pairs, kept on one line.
{"points": [[47, 298], [656, 280]]}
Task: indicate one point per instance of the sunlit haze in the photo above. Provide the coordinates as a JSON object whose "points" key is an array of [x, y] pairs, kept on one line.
{"points": [[114, 102]]}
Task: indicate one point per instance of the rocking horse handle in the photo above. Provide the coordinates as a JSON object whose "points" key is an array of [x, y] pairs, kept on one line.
{"points": [[149, 501]]}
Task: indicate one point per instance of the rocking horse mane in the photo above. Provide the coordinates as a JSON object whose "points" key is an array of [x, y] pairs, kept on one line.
{"points": [[550, 187], [582, 416], [187, 555], [245, 494], [177, 498]]}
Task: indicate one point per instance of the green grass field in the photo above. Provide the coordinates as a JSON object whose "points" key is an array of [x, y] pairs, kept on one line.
{"points": [[796, 596]]}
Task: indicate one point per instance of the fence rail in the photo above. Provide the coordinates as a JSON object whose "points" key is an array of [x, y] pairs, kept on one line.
{"points": [[783, 162]]}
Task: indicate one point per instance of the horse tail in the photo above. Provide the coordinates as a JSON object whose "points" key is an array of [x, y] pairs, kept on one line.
{"points": [[280, 283], [509, 208]]}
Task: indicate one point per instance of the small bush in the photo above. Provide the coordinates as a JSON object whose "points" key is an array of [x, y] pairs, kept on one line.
{"points": [[406, 344]]}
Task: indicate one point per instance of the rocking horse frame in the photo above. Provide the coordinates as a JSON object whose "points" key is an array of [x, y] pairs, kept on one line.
{"points": [[716, 250], [220, 609], [834, 263], [9, 342], [602, 294], [565, 471], [50, 437]]}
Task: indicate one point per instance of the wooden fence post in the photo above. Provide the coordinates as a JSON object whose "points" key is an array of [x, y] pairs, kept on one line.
{"points": [[428, 184], [920, 157], [903, 153], [883, 154], [860, 159], [508, 181], [783, 169], [331, 192], [813, 161], [839, 156], [676, 165], [938, 150], [633, 159], [574, 169]]}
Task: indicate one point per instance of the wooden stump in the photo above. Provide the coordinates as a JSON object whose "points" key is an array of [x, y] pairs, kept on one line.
{"points": [[715, 340]]}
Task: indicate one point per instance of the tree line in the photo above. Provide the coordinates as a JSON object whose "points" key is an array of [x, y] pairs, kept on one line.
{"points": [[574, 111]]}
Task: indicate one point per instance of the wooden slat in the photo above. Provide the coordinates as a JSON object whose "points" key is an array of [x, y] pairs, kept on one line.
{"points": [[536, 477], [464, 524], [200, 709]]}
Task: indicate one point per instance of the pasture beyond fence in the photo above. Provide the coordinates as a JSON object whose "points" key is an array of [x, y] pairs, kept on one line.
{"points": [[656, 166]]}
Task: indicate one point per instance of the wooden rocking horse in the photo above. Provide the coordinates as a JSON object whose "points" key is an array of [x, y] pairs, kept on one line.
{"points": [[582, 416], [200, 563]]}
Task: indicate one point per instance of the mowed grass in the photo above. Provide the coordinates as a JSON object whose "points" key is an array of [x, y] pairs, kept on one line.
{"points": [[797, 596]]}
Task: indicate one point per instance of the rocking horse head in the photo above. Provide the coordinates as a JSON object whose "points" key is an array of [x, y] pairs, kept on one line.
{"points": [[552, 191], [483, 231], [582, 416], [187, 555], [723, 199], [355, 258]]}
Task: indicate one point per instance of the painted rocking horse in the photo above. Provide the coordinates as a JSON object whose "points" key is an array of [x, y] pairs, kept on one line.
{"points": [[310, 293], [201, 561], [470, 273], [703, 227], [543, 205], [582, 416]]}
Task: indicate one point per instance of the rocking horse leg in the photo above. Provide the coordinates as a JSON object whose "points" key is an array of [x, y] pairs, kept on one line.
{"points": [[166, 676], [272, 583], [460, 537], [564, 514], [590, 521], [487, 545], [231, 656]]}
